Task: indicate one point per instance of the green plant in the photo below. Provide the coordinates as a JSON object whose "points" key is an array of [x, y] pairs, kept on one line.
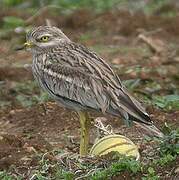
{"points": [[166, 159], [5, 176], [67, 175], [29, 94], [85, 37], [154, 5], [28, 101], [151, 174], [124, 164], [10, 3], [167, 102], [12, 22], [170, 143], [132, 83], [96, 5]]}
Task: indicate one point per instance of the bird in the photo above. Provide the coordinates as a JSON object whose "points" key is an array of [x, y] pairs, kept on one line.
{"points": [[77, 78]]}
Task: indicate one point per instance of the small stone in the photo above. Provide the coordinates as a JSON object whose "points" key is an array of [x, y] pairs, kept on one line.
{"points": [[29, 149], [177, 170], [1, 138], [12, 112]]}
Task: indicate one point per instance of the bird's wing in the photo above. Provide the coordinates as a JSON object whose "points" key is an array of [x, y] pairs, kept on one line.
{"points": [[74, 85], [80, 75]]}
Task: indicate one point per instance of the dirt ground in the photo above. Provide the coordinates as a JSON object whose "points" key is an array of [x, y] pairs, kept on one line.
{"points": [[120, 38]]}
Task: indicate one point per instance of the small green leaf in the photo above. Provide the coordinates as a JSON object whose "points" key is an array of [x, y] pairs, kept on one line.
{"points": [[151, 170], [172, 97]]}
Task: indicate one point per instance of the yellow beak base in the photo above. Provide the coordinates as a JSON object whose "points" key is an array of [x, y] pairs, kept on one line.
{"points": [[28, 44]]}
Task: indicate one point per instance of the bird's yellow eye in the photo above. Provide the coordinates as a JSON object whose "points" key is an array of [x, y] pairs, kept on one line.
{"points": [[44, 38]]}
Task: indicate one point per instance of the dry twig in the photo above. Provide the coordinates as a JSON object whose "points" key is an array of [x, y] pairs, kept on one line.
{"points": [[153, 45]]}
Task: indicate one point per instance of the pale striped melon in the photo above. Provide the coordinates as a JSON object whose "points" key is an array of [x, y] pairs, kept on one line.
{"points": [[117, 143]]}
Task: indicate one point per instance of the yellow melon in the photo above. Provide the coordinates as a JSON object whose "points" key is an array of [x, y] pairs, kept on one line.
{"points": [[117, 143]]}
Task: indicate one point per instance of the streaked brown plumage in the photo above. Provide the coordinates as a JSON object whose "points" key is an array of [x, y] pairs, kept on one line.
{"points": [[78, 78]]}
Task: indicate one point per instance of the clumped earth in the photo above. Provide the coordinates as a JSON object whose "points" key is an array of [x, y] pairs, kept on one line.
{"points": [[40, 139]]}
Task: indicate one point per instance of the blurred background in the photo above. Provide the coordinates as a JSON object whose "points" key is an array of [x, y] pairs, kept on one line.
{"points": [[138, 38]]}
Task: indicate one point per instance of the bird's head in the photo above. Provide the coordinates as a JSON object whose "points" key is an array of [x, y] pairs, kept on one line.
{"points": [[44, 37]]}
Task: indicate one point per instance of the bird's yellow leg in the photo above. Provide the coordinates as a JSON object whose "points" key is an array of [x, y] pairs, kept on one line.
{"points": [[85, 126]]}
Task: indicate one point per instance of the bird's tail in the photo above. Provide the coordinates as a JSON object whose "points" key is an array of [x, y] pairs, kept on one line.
{"points": [[133, 110], [151, 129]]}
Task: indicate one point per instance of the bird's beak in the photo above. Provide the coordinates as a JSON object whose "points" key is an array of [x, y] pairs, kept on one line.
{"points": [[28, 44]]}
